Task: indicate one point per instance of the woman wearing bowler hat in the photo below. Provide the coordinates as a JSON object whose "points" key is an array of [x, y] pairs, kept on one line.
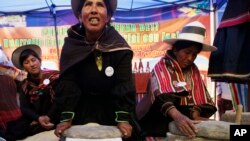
{"points": [[176, 90], [96, 83], [37, 94]]}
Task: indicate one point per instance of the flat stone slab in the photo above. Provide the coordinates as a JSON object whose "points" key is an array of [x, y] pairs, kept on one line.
{"points": [[213, 130], [87, 132], [230, 116], [172, 137], [92, 131], [43, 136]]}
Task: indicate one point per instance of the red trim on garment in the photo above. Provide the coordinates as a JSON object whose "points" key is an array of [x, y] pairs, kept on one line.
{"points": [[235, 21]]}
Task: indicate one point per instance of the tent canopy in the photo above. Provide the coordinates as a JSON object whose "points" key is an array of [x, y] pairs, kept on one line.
{"points": [[15, 7]]}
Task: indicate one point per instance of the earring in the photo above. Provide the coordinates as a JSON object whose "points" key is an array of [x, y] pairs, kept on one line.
{"points": [[80, 26], [106, 26]]}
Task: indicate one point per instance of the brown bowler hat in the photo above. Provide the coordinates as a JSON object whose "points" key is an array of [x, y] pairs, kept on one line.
{"points": [[18, 51]]}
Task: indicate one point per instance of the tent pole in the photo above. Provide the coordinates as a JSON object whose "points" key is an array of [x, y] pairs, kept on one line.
{"points": [[56, 36], [52, 9], [56, 33], [213, 26], [213, 20]]}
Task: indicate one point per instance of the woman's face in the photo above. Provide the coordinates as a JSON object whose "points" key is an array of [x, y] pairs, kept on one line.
{"points": [[185, 57], [94, 16], [32, 65]]}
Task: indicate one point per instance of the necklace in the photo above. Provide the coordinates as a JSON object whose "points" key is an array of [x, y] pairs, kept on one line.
{"points": [[98, 60]]}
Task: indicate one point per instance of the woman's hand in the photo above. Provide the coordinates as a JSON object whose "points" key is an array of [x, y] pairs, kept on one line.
{"points": [[183, 123], [45, 122], [61, 127], [125, 128]]}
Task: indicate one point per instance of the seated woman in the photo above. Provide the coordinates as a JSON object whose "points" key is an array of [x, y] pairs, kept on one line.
{"points": [[9, 77], [176, 91], [36, 94]]}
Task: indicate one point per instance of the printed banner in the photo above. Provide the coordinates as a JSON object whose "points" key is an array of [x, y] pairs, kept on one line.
{"points": [[146, 39], [145, 35]]}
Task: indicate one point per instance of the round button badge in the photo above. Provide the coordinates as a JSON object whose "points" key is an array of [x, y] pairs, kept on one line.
{"points": [[46, 81], [109, 71]]}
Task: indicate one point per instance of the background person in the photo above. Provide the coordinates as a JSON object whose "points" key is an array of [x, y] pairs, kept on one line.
{"points": [[95, 72], [36, 94], [224, 98], [176, 91], [9, 77]]}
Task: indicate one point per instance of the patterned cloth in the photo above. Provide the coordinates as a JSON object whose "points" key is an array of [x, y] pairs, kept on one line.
{"points": [[167, 78], [239, 94], [9, 109], [35, 90]]}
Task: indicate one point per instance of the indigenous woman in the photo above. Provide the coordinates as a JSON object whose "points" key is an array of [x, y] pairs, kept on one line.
{"points": [[36, 94], [96, 82], [176, 90]]}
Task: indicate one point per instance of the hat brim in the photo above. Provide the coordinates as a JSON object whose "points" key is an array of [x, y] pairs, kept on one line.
{"points": [[15, 58], [205, 47], [75, 4]]}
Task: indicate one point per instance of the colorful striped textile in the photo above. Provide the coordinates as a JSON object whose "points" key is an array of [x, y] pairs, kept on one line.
{"points": [[239, 95], [169, 78]]}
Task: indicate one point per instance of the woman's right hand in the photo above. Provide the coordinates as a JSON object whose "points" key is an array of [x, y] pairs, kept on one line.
{"points": [[61, 127], [125, 128], [183, 123]]}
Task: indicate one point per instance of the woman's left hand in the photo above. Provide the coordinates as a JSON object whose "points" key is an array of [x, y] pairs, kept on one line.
{"points": [[125, 128], [45, 122], [61, 127]]}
